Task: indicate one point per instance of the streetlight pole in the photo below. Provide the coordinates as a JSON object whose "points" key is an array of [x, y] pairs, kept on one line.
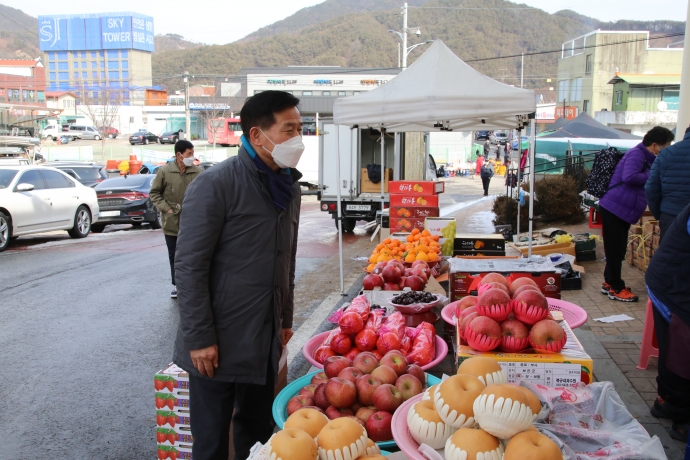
{"points": [[684, 100], [188, 120], [404, 37]]}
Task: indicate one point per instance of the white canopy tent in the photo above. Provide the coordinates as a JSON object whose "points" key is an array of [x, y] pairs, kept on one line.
{"points": [[438, 92]]}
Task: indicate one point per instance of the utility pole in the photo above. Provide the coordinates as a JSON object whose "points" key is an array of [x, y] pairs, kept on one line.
{"points": [[522, 70], [683, 109], [188, 121], [399, 63], [404, 37]]}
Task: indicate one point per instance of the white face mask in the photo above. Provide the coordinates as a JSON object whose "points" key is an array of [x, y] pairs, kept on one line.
{"points": [[287, 154], [188, 161]]}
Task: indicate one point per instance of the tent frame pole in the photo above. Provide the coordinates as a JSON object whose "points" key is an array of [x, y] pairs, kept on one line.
{"points": [[532, 147], [340, 211], [383, 168]]}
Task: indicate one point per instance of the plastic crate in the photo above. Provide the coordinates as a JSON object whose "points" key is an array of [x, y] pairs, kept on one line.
{"points": [[572, 283], [585, 245], [586, 256]]}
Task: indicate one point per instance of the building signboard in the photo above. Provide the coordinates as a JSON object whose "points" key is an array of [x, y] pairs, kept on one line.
{"points": [[568, 112], [546, 111]]}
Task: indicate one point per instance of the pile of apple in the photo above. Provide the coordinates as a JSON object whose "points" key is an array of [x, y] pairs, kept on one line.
{"points": [[365, 390], [508, 316], [393, 276]]}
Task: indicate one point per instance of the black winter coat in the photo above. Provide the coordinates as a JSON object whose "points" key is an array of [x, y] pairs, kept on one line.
{"points": [[235, 270]]}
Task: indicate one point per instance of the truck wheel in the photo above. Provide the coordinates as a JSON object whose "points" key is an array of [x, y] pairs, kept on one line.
{"points": [[348, 225]]}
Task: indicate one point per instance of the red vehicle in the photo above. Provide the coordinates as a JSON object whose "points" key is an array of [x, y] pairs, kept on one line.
{"points": [[226, 131]]}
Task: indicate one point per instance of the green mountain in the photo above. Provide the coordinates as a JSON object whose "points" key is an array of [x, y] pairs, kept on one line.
{"points": [[354, 33]]}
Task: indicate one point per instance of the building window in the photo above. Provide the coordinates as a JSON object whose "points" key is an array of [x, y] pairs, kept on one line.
{"points": [[94, 54], [63, 75], [125, 64], [83, 75], [75, 54], [102, 74], [51, 66], [95, 94], [307, 93], [125, 75], [83, 64], [51, 56], [41, 96], [341, 93], [113, 64], [123, 54], [76, 75], [114, 84], [125, 94], [619, 97], [76, 65], [114, 75], [51, 75], [63, 85], [62, 55], [672, 98], [83, 54], [102, 65], [354, 93], [576, 89], [589, 65], [326, 93], [63, 65], [94, 64], [112, 54], [585, 106], [94, 74], [563, 87]]}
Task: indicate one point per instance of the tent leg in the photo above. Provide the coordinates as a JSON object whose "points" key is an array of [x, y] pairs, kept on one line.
{"points": [[340, 211], [532, 148], [383, 167]]}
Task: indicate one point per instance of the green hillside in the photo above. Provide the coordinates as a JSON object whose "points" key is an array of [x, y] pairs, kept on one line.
{"points": [[484, 29]]}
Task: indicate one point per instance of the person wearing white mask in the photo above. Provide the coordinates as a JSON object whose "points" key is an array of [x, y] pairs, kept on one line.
{"points": [[167, 192], [235, 273]]}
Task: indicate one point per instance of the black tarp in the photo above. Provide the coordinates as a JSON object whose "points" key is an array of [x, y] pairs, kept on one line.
{"points": [[587, 127]]}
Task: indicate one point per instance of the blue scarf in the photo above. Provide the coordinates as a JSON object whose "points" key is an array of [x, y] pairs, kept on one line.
{"points": [[279, 183]]}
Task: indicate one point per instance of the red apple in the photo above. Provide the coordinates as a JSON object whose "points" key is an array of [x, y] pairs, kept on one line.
{"points": [[334, 365], [350, 373], [379, 426], [415, 283], [419, 271], [372, 281], [377, 354], [547, 334], [391, 287], [355, 419], [387, 342], [424, 265], [365, 340], [366, 362], [308, 390], [525, 287], [516, 284], [467, 319], [409, 386], [401, 283], [483, 325], [364, 413], [391, 273], [398, 263], [378, 268], [319, 378], [333, 412], [341, 393], [341, 343], [352, 354], [322, 354], [387, 397], [316, 408], [385, 374], [356, 406], [297, 402], [351, 323], [407, 272], [320, 399], [396, 362], [365, 386], [418, 372]]}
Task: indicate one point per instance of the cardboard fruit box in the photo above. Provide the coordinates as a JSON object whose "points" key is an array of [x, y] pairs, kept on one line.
{"points": [[478, 253], [368, 186], [571, 365], [179, 451], [413, 212], [479, 242], [420, 201], [171, 419], [417, 187], [174, 436], [172, 380], [405, 224], [546, 249], [173, 402]]}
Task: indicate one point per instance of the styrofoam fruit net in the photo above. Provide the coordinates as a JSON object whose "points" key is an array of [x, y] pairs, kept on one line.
{"points": [[511, 344], [501, 417], [494, 377], [454, 452], [351, 452], [372, 449], [480, 342], [528, 314], [429, 433], [550, 347], [496, 312], [451, 417]]}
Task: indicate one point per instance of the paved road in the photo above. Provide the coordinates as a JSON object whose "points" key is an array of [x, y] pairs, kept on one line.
{"points": [[84, 324]]}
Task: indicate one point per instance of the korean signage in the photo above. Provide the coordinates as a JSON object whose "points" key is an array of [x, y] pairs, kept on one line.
{"points": [[280, 81], [546, 111], [195, 106], [96, 32], [328, 82], [374, 82], [570, 112]]}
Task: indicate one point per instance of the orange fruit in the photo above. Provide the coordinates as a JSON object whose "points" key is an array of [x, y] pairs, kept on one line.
{"points": [[417, 237], [373, 258], [387, 241], [370, 268], [380, 246], [436, 237], [422, 256], [426, 233], [432, 256], [410, 257], [415, 232], [423, 248]]}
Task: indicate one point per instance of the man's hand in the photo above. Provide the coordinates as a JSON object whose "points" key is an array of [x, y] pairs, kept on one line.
{"points": [[170, 211], [206, 359], [286, 336]]}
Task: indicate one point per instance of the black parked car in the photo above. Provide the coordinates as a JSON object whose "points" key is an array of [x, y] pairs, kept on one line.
{"points": [[89, 174], [144, 137], [125, 200], [170, 137]]}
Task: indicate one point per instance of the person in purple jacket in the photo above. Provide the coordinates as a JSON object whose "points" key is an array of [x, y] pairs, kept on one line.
{"points": [[623, 205]]}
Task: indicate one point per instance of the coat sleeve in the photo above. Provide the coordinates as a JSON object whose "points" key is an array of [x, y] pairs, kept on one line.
{"points": [[635, 170], [156, 193], [289, 307], [652, 189], [200, 229]]}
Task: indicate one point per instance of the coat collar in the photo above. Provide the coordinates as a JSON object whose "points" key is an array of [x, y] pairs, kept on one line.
{"points": [[649, 156], [174, 167], [246, 155]]}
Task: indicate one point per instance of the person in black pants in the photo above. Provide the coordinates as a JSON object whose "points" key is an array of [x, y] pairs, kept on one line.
{"points": [[486, 174], [668, 290]]}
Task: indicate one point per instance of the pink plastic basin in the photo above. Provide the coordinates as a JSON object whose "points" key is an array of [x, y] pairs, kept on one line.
{"points": [[401, 434], [315, 342]]}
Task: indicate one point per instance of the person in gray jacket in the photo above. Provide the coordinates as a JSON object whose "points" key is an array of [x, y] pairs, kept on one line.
{"points": [[235, 274]]}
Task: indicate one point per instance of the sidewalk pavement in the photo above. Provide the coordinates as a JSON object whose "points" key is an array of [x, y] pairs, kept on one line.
{"points": [[614, 347]]}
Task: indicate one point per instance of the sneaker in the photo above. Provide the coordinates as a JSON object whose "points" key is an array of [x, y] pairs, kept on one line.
{"points": [[659, 409], [605, 288], [173, 293], [624, 295], [680, 432]]}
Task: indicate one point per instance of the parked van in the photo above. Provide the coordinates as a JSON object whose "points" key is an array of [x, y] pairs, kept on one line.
{"points": [[84, 132]]}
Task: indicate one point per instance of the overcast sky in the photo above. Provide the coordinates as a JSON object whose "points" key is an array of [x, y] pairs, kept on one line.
{"points": [[219, 22]]}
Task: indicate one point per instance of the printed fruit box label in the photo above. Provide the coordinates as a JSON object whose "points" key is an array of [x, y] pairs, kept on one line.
{"points": [[413, 212], [417, 187], [464, 283], [479, 243], [405, 224], [172, 419], [180, 451], [171, 401], [426, 201], [168, 436], [445, 228]]}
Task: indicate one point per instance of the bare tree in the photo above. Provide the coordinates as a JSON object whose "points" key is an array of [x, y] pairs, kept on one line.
{"points": [[214, 110], [102, 106]]}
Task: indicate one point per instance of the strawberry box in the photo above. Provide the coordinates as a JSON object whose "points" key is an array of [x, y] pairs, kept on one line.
{"points": [[416, 187], [174, 436], [420, 201], [172, 380], [173, 402], [405, 224], [179, 451], [413, 212], [171, 419]]}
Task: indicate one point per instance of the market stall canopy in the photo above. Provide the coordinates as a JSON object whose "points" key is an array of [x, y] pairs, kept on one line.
{"points": [[585, 126], [439, 88], [557, 124]]}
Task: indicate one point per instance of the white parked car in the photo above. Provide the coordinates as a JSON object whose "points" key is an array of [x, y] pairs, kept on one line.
{"points": [[36, 199]]}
